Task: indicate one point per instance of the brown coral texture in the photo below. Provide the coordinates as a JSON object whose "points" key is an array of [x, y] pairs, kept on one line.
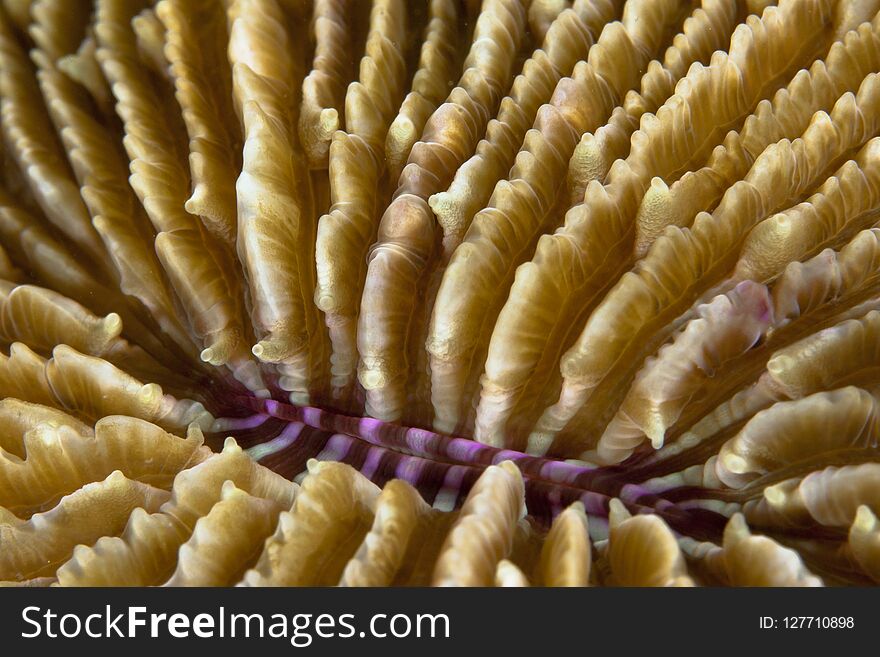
{"points": [[440, 292]]}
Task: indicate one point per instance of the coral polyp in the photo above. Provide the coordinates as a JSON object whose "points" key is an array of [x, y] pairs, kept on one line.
{"points": [[510, 292]]}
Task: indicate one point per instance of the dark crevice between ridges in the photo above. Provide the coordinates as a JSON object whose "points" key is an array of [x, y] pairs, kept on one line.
{"points": [[290, 460]]}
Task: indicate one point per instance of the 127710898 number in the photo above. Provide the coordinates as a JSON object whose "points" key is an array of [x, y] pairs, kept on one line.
{"points": [[818, 622]]}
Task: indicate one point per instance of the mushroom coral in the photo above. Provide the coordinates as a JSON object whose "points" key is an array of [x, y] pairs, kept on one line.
{"points": [[451, 292]]}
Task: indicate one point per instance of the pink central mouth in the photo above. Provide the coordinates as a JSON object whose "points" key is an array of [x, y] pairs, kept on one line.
{"points": [[442, 468]]}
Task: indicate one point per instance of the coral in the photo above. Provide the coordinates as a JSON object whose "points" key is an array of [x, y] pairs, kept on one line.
{"points": [[449, 292]]}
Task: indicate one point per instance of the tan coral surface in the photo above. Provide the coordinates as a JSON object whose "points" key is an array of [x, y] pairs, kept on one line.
{"points": [[450, 292]]}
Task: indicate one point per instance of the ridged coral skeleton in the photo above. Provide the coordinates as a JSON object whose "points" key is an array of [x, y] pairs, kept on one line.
{"points": [[451, 292]]}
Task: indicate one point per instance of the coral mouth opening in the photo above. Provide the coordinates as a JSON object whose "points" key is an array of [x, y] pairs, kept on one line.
{"points": [[284, 437]]}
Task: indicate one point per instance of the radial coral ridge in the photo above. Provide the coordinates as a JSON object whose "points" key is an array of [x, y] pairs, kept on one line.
{"points": [[443, 292]]}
